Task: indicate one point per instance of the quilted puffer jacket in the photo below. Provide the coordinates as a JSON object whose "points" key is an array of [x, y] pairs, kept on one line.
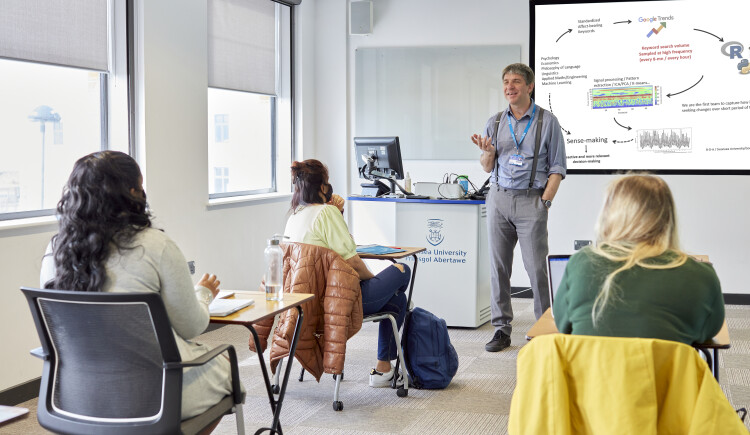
{"points": [[330, 319]]}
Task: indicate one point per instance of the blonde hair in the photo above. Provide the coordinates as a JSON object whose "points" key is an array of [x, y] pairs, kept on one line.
{"points": [[638, 222]]}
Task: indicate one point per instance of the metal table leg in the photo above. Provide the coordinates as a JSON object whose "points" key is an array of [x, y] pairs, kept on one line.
{"points": [[716, 364], [712, 362], [276, 403]]}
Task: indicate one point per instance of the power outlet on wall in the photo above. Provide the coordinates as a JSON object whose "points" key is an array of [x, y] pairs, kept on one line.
{"points": [[191, 266], [578, 244]]}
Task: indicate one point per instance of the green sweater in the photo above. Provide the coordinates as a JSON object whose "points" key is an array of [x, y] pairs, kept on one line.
{"points": [[682, 304]]}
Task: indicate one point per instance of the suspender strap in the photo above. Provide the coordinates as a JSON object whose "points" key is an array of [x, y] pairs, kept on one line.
{"points": [[536, 147], [496, 125]]}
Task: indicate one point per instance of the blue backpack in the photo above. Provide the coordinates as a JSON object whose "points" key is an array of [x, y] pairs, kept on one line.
{"points": [[430, 357]]}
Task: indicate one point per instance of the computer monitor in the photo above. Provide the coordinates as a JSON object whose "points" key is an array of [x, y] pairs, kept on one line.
{"points": [[379, 158]]}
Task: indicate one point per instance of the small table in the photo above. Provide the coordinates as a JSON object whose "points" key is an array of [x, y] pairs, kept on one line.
{"points": [[263, 309], [397, 256], [546, 325]]}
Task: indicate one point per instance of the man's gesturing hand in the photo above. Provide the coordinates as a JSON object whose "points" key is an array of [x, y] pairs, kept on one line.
{"points": [[484, 143]]}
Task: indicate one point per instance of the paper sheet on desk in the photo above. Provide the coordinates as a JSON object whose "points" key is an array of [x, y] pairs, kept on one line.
{"points": [[224, 294], [225, 307], [378, 249]]}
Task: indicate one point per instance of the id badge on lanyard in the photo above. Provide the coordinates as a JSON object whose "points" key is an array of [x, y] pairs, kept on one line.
{"points": [[517, 159]]}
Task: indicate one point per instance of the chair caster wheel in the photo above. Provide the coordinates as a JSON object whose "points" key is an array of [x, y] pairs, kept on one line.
{"points": [[402, 392], [338, 405], [275, 389]]}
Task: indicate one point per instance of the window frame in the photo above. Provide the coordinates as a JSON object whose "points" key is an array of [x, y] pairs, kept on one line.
{"points": [[285, 91], [117, 39]]}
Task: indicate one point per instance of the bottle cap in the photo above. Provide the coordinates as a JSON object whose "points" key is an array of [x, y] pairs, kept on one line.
{"points": [[276, 239]]}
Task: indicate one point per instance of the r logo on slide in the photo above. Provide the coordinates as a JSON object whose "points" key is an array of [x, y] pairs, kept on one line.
{"points": [[735, 49]]}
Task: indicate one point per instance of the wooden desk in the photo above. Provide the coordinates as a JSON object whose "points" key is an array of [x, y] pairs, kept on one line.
{"points": [[397, 256], [263, 309], [546, 325]]}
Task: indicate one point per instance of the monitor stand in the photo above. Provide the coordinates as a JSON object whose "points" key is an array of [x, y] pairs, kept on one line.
{"points": [[376, 188]]}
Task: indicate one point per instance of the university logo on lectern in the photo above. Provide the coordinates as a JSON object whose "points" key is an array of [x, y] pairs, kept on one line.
{"points": [[434, 231]]}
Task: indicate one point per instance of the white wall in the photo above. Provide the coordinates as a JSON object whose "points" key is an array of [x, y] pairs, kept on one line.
{"points": [[711, 209]]}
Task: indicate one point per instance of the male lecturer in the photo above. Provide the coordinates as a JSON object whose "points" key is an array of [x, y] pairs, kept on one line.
{"points": [[524, 151]]}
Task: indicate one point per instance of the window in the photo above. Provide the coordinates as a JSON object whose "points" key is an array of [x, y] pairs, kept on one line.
{"points": [[53, 74], [249, 94], [221, 128], [39, 98], [57, 132], [221, 179]]}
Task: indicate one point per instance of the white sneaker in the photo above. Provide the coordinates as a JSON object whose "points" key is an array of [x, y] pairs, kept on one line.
{"points": [[381, 380]]}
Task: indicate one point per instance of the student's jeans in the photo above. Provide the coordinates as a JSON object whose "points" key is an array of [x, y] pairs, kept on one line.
{"points": [[386, 292]]}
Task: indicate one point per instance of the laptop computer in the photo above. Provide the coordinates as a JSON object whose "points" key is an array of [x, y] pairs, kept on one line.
{"points": [[555, 269]]}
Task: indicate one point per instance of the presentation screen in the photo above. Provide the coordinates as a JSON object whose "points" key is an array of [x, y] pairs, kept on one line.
{"points": [[646, 85]]}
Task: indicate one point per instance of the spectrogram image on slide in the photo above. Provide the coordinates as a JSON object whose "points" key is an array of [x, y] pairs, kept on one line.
{"points": [[623, 97]]}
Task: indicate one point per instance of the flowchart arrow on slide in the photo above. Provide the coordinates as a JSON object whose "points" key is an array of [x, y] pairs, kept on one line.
{"points": [[628, 128], [717, 37], [621, 141], [549, 100], [691, 87], [619, 22], [564, 33], [663, 26]]}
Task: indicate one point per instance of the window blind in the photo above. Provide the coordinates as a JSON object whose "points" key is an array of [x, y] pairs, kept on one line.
{"points": [[69, 33], [242, 45]]}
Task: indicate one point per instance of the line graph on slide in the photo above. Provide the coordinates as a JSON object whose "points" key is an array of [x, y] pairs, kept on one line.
{"points": [[666, 140]]}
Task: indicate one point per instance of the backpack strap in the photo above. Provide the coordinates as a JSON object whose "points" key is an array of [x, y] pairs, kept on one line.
{"points": [[536, 147]]}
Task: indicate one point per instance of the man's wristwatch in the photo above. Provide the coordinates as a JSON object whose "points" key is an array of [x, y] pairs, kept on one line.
{"points": [[547, 203]]}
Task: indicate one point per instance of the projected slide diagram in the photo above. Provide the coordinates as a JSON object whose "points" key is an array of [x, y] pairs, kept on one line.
{"points": [[657, 85], [674, 140], [623, 97]]}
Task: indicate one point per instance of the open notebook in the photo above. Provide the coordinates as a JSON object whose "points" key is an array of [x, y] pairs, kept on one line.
{"points": [[224, 307]]}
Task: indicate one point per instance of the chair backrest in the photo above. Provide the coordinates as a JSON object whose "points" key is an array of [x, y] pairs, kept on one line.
{"points": [[105, 357], [586, 385]]}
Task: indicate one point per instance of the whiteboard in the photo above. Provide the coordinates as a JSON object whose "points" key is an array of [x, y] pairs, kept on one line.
{"points": [[433, 98]]}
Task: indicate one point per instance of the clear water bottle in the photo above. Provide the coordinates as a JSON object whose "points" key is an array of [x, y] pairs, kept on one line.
{"points": [[274, 264]]}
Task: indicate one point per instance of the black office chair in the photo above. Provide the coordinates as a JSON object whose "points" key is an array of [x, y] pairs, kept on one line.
{"points": [[111, 365]]}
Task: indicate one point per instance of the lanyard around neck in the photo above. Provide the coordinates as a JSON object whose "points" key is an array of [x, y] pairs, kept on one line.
{"points": [[513, 133]]}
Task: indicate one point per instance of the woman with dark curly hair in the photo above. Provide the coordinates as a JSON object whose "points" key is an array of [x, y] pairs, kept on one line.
{"points": [[316, 219], [106, 244]]}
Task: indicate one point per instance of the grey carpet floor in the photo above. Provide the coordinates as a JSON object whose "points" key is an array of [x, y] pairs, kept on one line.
{"points": [[476, 402]]}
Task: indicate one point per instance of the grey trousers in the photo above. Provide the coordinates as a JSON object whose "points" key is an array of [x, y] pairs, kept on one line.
{"points": [[513, 216]]}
